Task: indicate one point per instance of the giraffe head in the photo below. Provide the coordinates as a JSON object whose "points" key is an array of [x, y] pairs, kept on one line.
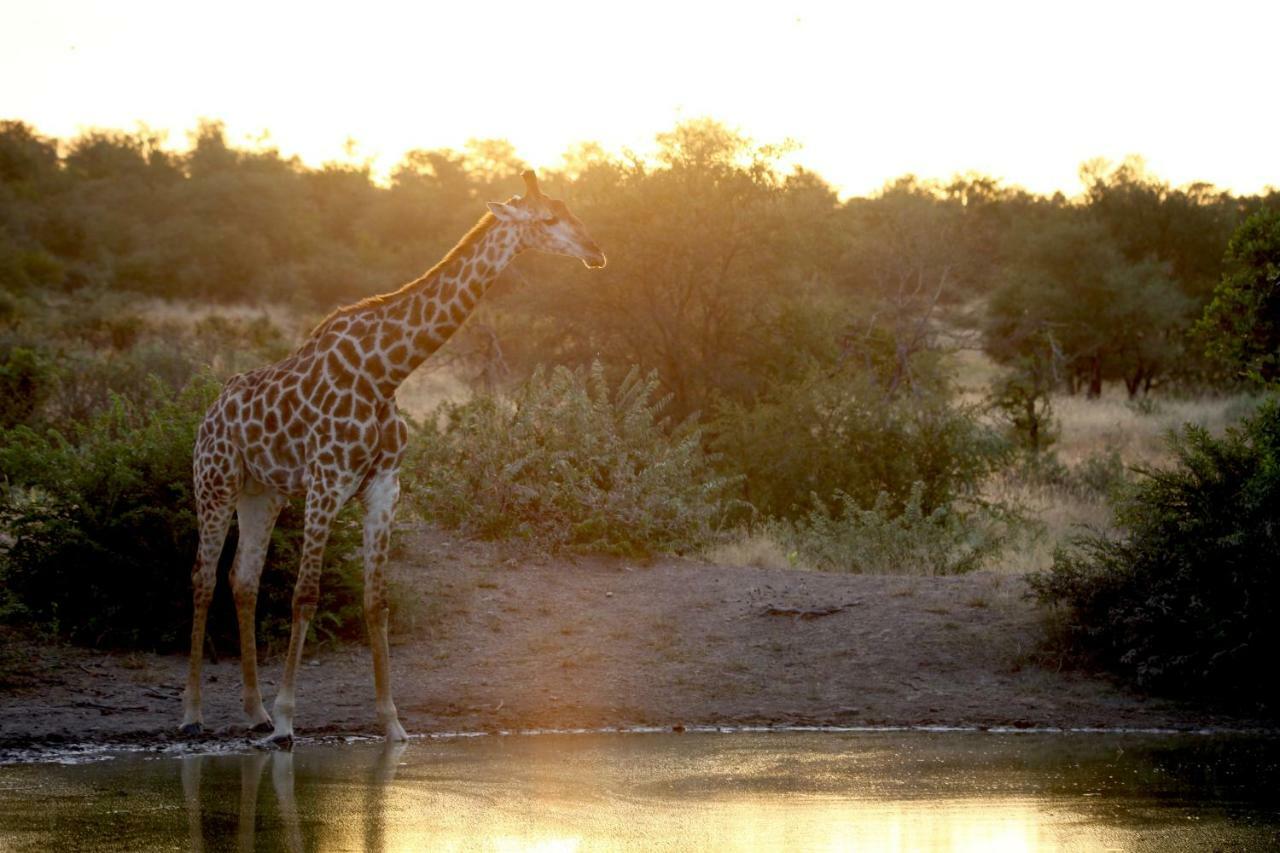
{"points": [[547, 225]]}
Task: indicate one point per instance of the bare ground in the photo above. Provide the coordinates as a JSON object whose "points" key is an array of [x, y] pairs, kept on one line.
{"points": [[494, 642]]}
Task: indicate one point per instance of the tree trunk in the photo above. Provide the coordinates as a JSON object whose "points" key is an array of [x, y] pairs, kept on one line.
{"points": [[1095, 378], [1132, 384]]}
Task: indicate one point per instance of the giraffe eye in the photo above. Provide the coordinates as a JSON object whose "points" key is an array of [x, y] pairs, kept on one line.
{"points": [[551, 221]]}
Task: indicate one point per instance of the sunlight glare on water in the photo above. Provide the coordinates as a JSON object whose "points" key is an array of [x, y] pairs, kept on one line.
{"points": [[551, 793]]}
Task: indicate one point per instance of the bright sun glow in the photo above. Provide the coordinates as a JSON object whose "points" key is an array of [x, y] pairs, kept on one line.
{"points": [[869, 90]]}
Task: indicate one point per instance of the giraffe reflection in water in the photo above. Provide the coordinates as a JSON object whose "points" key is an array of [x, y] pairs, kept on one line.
{"points": [[206, 818]]}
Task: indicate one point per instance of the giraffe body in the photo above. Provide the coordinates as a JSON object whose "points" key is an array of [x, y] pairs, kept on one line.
{"points": [[322, 424]]}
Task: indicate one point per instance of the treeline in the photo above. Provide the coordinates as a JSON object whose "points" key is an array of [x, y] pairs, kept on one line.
{"points": [[726, 273]]}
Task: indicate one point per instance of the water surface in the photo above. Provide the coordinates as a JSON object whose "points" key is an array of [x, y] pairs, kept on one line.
{"points": [[697, 791]]}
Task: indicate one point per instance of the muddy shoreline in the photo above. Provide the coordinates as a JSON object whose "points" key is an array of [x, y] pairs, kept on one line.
{"points": [[499, 643]]}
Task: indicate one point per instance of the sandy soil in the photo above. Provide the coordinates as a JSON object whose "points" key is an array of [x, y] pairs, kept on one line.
{"points": [[495, 642]]}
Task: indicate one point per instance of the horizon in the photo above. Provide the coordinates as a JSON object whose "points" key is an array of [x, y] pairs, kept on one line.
{"points": [[867, 95]]}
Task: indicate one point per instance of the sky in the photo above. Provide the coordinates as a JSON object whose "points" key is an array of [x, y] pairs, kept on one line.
{"points": [[1024, 91]]}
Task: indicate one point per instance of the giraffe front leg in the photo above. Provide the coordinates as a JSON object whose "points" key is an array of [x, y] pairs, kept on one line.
{"points": [[303, 613], [322, 508], [380, 498]]}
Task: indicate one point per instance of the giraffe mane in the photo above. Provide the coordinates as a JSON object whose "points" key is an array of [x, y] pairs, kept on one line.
{"points": [[468, 240]]}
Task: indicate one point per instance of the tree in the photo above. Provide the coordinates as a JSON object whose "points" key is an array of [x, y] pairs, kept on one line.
{"points": [[699, 248], [1184, 228], [900, 256], [25, 156], [1241, 326], [1108, 317]]}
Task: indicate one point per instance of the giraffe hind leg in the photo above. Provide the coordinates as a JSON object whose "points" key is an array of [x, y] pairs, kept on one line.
{"points": [[213, 508]]}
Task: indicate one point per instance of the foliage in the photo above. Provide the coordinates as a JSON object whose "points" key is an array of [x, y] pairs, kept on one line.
{"points": [[1241, 326], [840, 432], [1070, 291], [710, 240], [103, 531], [881, 540], [568, 461], [1024, 400], [701, 249], [1184, 598], [24, 384], [1101, 475], [1182, 228]]}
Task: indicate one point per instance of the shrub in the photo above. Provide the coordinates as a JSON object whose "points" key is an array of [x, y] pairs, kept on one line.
{"points": [[1184, 598], [103, 535], [835, 433], [25, 376], [1100, 475], [568, 462], [880, 540], [1024, 401], [87, 382]]}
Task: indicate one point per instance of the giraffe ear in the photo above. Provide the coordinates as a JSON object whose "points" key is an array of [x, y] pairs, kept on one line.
{"points": [[507, 212]]}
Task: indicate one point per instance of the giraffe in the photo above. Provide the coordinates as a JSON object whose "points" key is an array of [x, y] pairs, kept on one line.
{"points": [[322, 424]]}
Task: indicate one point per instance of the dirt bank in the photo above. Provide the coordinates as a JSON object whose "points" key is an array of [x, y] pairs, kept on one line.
{"points": [[500, 643]]}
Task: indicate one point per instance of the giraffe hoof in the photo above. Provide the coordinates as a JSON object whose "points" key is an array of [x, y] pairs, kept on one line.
{"points": [[192, 729], [282, 742]]}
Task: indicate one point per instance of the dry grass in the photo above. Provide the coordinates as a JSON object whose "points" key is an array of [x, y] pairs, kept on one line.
{"points": [[756, 549], [1113, 423], [1136, 431], [293, 322], [1054, 515]]}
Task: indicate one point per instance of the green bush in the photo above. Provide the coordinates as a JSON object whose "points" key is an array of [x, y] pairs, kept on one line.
{"points": [[102, 532], [1184, 598], [880, 540], [836, 433], [568, 462], [1024, 402], [1100, 475], [25, 381], [87, 381]]}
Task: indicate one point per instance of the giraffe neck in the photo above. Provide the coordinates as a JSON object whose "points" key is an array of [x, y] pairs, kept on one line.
{"points": [[396, 332]]}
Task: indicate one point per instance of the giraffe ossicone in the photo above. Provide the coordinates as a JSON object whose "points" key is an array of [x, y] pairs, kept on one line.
{"points": [[322, 424]]}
